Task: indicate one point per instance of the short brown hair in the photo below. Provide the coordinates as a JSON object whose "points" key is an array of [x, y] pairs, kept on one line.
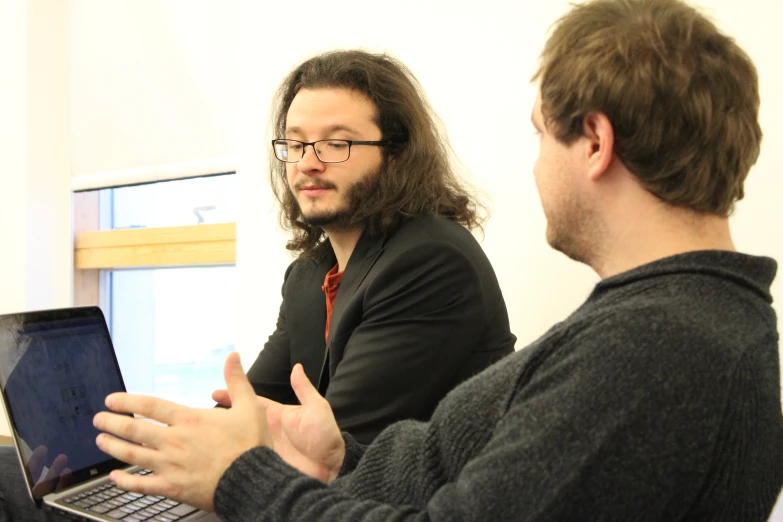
{"points": [[682, 97], [418, 173]]}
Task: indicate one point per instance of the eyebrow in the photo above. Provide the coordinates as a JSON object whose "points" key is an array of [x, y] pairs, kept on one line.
{"points": [[331, 129]]}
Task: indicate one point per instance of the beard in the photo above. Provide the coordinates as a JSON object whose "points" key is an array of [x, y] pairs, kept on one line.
{"points": [[349, 215]]}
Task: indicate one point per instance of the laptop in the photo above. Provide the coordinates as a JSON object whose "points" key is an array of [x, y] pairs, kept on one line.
{"points": [[56, 369]]}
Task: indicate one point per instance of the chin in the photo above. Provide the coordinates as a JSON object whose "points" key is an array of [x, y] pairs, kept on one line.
{"points": [[319, 219], [562, 244], [323, 218]]}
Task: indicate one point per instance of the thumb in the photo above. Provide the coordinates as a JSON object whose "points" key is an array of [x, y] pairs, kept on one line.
{"points": [[302, 386], [240, 391]]}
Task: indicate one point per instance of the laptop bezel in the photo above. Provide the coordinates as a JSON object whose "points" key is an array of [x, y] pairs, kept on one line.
{"points": [[80, 476]]}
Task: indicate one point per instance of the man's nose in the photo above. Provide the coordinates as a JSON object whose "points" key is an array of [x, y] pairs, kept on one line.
{"points": [[309, 161]]}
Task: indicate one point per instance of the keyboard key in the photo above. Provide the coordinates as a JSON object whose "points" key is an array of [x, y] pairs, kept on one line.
{"points": [[164, 518], [182, 510]]}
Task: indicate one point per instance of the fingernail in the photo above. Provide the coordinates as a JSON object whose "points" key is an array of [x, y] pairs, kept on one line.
{"points": [[110, 401]]}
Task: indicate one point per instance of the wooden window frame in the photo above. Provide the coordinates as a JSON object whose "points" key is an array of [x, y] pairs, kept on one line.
{"points": [[211, 244], [161, 247]]}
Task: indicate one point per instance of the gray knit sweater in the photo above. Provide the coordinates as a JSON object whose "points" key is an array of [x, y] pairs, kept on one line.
{"points": [[658, 399]]}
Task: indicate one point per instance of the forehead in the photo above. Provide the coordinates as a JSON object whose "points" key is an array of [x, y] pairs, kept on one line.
{"points": [[314, 110]]}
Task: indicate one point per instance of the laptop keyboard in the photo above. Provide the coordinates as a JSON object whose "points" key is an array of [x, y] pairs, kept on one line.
{"points": [[110, 501]]}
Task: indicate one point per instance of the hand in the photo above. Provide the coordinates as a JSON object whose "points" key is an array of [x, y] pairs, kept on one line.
{"points": [[57, 478], [306, 436], [191, 453]]}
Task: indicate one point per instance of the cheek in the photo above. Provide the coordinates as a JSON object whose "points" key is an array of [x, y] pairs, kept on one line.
{"points": [[290, 173]]}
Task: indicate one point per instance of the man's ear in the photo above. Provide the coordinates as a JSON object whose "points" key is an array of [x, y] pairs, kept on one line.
{"points": [[600, 137]]}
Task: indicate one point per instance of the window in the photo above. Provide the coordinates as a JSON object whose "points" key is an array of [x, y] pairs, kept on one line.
{"points": [[159, 260], [173, 203]]}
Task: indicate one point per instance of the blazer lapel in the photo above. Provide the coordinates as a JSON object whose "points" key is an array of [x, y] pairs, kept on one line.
{"points": [[361, 261], [310, 345]]}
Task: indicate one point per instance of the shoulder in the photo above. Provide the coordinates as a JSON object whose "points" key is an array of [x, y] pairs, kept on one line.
{"points": [[435, 242], [438, 246], [660, 340], [433, 235], [308, 271], [425, 228]]}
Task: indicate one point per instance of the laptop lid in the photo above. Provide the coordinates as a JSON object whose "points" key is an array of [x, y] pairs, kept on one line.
{"points": [[56, 369]]}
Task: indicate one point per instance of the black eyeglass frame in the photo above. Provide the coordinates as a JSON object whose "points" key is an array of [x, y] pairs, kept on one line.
{"points": [[350, 143]]}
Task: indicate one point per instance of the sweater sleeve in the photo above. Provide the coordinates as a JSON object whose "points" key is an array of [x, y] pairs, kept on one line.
{"points": [[613, 428], [260, 486], [353, 454]]}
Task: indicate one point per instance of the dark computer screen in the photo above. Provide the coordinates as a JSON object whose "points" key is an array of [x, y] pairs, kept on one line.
{"points": [[56, 371]]}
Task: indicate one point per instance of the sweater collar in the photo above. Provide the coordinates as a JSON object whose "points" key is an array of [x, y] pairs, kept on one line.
{"points": [[753, 272]]}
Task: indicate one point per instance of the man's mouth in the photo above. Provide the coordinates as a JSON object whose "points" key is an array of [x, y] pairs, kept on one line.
{"points": [[311, 190]]}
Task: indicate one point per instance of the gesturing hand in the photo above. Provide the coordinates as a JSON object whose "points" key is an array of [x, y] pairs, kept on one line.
{"points": [[192, 452], [306, 436]]}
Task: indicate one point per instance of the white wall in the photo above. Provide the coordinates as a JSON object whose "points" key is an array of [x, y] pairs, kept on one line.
{"points": [[153, 83], [35, 214]]}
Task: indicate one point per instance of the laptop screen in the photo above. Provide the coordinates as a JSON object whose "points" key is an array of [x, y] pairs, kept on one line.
{"points": [[56, 369]]}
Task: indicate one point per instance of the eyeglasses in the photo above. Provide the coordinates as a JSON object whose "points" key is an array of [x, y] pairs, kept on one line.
{"points": [[327, 151]]}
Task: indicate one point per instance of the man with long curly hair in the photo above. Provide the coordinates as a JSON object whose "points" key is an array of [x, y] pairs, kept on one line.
{"points": [[391, 302]]}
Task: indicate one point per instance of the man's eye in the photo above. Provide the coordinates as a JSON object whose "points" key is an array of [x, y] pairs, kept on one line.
{"points": [[337, 145]]}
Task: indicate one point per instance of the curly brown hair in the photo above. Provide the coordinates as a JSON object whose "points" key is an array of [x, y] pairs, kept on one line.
{"points": [[682, 97], [418, 164]]}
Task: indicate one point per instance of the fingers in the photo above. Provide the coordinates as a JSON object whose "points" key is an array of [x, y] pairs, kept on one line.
{"points": [[37, 462], [66, 479], [127, 451], [58, 466], [221, 397], [147, 485], [151, 407], [305, 391], [129, 428], [48, 483], [240, 391]]}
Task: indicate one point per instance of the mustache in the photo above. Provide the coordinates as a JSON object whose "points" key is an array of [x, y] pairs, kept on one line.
{"points": [[317, 183]]}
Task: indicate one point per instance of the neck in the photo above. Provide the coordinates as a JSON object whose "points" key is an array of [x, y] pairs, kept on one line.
{"points": [[343, 242], [638, 238]]}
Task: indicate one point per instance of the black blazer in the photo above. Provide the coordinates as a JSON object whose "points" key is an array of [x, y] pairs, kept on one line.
{"points": [[416, 313]]}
